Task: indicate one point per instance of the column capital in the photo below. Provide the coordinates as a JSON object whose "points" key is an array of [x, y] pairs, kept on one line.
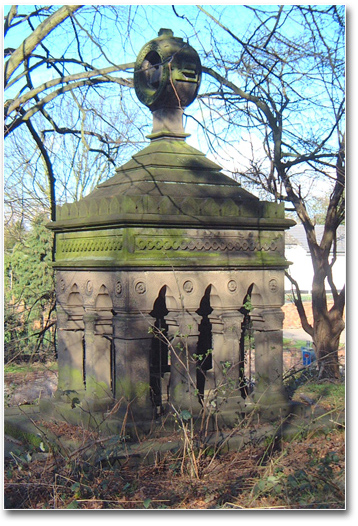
{"points": [[267, 319], [131, 326], [90, 316], [225, 320], [183, 322]]}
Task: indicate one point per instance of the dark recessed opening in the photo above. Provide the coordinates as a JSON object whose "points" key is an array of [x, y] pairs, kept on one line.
{"points": [[245, 380], [159, 352], [204, 360], [152, 70]]}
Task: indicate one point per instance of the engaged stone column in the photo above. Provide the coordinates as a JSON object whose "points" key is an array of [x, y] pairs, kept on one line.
{"points": [[70, 351], [269, 392], [183, 331], [226, 331], [97, 359], [132, 343]]}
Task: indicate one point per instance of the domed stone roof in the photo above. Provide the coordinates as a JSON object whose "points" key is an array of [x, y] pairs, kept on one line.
{"points": [[167, 183]]}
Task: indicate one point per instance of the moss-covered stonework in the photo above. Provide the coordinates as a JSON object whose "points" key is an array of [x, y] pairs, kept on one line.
{"points": [[164, 247], [168, 242], [170, 183]]}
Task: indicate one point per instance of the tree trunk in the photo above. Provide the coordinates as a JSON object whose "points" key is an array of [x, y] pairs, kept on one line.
{"points": [[327, 325], [327, 328]]}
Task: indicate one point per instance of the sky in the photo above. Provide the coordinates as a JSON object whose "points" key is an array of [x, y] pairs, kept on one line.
{"points": [[121, 49]]}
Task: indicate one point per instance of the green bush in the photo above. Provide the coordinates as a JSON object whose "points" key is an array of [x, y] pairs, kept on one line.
{"points": [[29, 292]]}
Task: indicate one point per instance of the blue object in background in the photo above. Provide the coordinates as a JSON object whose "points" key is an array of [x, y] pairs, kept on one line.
{"points": [[308, 355]]}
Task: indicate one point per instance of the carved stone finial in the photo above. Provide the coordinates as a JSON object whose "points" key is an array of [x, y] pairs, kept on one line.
{"points": [[167, 77]]}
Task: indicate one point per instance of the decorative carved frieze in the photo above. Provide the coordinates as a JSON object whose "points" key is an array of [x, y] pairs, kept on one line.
{"points": [[214, 242], [88, 245]]}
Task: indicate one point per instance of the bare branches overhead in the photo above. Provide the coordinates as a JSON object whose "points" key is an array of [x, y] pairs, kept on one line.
{"points": [[36, 37], [51, 67]]}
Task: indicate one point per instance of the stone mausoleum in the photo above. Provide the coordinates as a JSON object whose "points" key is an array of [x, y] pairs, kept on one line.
{"points": [[155, 267]]}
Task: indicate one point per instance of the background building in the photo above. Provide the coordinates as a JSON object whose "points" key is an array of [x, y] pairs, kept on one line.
{"points": [[297, 252]]}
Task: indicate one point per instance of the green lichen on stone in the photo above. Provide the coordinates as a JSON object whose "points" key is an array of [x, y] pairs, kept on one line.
{"points": [[168, 182], [70, 378], [166, 247], [16, 431], [132, 390], [96, 388]]}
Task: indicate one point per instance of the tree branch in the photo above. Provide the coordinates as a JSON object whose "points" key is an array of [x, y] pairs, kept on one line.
{"points": [[10, 16], [49, 169], [36, 37], [297, 299], [20, 101], [246, 96], [45, 100]]}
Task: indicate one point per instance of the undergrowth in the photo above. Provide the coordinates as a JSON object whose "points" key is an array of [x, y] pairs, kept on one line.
{"points": [[306, 473], [98, 472]]}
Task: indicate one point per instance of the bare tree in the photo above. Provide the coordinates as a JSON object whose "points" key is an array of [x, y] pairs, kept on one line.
{"points": [[283, 82], [97, 140]]}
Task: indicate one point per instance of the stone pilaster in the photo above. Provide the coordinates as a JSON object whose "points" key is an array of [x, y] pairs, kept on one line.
{"points": [[183, 331], [70, 348], [132, 343], [97, 359], [226, 331], [269, 392]]}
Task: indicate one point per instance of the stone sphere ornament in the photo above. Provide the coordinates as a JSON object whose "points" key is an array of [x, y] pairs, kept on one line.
{"points": [[167, 72]]}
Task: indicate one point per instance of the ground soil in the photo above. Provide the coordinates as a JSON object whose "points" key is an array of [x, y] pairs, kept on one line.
{"points": [[292, 320]]}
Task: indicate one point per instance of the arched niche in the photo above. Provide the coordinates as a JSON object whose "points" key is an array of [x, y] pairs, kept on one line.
{"points": [[75, 306], [103, 300], [74, 298], [103, 307], [159, 358], [204, 359]]}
